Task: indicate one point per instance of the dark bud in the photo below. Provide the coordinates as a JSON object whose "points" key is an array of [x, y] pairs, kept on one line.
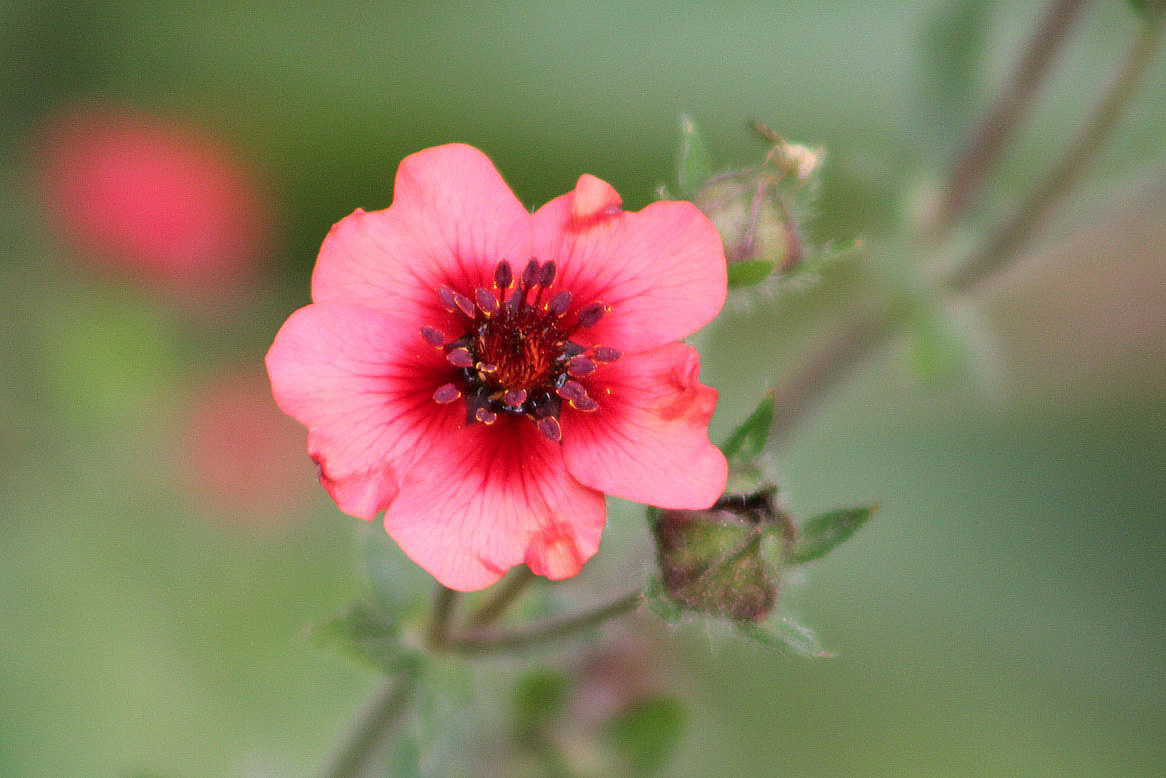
{"points": [[713, 561], [433, 337], [486, 300], [547, 276], [589, 315], [560, 302], [531, 274], [605, 354]]}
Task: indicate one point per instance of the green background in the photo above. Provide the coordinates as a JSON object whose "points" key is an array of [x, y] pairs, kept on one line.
{"points": [[1003, 614]]}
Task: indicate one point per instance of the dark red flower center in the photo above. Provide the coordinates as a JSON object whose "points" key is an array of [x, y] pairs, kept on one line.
{"points": [[516, 355]]}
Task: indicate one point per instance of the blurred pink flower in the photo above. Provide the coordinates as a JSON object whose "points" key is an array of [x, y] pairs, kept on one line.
{"points": [[236, 450], [488, 406], [151, 196]]}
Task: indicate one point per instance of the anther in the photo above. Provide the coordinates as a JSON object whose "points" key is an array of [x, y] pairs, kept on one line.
{"points": [[485, 415], [548, 274], [531, 274], [581, 366], [446, 393], [503, 275], [435, 338], [460, 357], [485, 368], [514, 398], [604, 354], [446, 296], [584, 403], [559, 303], [571, 391], [549, 427], [464, 304], [486, 300], [589, 315]]}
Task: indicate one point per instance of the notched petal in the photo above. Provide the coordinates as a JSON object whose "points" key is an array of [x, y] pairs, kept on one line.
{"points": [[594, 199]]}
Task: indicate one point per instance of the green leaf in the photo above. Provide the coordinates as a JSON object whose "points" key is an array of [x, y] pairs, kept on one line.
{"points": [[539, 697], [646, 733], [658, 601], [692, 168], [369, 634], [953, 44], [749, 273], [1151, 10], [943, 345], [749, 439], [786, 636], [818, 536]]}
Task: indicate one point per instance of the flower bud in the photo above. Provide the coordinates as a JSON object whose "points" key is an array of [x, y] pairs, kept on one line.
{"points": [[714, 561]]}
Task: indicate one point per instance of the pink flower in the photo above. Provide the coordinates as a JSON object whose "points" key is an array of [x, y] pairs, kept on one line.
{"points": [[151, 196], [484, 375]]}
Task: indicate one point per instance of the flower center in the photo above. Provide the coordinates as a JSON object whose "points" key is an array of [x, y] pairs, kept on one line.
{"points": [[516, 355]]}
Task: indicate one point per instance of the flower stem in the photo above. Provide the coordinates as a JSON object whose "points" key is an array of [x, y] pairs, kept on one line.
{"points": [[842, 352], [437, 633], [995, 129], [1007, 242], [378, 719], [509, 590], [481, 641]]}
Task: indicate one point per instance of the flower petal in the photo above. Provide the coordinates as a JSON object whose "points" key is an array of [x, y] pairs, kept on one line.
{"points": [[489, 497], [662, 269], [363, 383], [648, 442], [452, 220]]}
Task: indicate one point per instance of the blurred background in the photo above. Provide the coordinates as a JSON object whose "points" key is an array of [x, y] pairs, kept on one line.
{"points": [[167, 172]]}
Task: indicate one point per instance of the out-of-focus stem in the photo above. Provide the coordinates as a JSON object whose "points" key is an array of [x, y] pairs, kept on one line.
{"points": [[834, 359], [437, 633], [375, 723], [489, 641], [1003, 247], [995, 129], [508, 591]]}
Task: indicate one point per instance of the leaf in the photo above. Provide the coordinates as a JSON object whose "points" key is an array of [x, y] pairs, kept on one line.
{"points": [[692, 167], [953, 47], [1151, 10], [750, 272], [646, 733], [749, 439], [369, 634], [818, 536], [539, 697], [787, 636], [658, 601], [942, 347]]}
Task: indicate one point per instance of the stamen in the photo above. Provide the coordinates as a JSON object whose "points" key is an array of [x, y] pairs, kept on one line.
{"points": [[548, 274], [571, 391], [581, 366], [560, 302], [605, 354], [486, 416], [445, 295], [464, 304], [550, 429], [514, 398], [531, 274], [590, 315], [584, 403], [486, 300], [485, 368], [503, 275], [433, 337], [460, 357], [446, 393]]}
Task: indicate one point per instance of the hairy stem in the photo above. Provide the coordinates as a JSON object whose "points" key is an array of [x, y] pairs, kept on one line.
{"points": [[437, 633], [482, 641], [995, 129], [1003, 247], [377, 720], [513, 586]]}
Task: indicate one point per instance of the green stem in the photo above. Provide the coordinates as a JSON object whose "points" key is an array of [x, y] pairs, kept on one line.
{"points": [[375, 723], [437, 633], [995, 130], [513, 586], [490, 641], [1005, 245]]}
